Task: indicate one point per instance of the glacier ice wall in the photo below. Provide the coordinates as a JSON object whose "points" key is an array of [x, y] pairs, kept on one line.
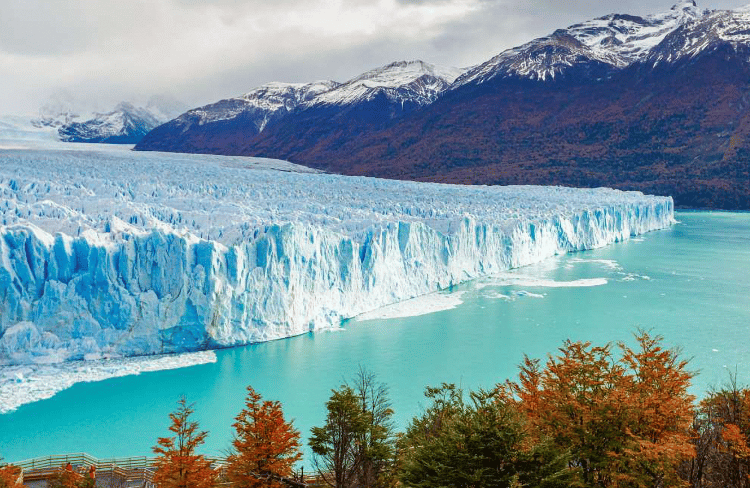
{"points": [[106, 252]]}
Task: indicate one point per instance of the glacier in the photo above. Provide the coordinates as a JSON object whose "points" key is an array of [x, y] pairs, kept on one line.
{"points": [[107, 253]]}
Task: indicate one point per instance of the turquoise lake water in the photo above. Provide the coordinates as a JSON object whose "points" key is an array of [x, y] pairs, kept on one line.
{"points": [[689, 283]]}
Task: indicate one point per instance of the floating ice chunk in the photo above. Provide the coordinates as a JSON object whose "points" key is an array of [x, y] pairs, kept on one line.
{"points": [[29, 383], [524, 293], [607, 263], [512, 279], [497, 295], [426, 304]]}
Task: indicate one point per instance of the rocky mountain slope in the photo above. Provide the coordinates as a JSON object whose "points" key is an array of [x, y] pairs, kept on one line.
{"points": [[370, 100], [656, 103]]}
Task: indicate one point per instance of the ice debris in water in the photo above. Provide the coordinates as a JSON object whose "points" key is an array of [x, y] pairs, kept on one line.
{"points": [[27, 383]]}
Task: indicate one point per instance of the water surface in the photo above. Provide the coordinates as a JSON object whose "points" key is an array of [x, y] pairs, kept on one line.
{"points": [[689, 283]]}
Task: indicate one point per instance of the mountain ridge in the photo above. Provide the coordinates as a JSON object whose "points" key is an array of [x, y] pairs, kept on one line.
{"points": [[654, 103], [127, 123]]}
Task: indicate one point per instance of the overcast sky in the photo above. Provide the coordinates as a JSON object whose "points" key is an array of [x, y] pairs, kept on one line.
{"points": [[200, 51]]}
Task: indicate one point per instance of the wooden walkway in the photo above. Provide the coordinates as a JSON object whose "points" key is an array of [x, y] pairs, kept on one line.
{"points": [[123, 472], [131, 472]]}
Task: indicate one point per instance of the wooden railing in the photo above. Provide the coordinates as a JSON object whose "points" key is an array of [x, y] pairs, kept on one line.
{"points": [[139, 468], [82, 459], [130, 469]]}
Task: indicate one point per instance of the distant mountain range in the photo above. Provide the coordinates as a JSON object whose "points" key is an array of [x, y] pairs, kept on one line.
{"points": [[371, 100], [657, 103], [125, 124]]}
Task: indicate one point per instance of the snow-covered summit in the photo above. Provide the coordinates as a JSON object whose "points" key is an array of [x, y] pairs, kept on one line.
{"points": [[415, 81], [412, 81], [615, 40], [731, 27], [540, 59], [126, 123], [628, 38], [257, 107]]}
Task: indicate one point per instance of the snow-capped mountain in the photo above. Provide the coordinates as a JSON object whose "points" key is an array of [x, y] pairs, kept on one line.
{"points": [[730, 28], [371, 98], [612, 41], [125, 124], [256, 108], [414, 82], [657, 103]]}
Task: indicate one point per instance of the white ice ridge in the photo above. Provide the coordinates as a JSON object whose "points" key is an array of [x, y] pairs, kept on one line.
{"points": [[29, 383], [107, 252]]}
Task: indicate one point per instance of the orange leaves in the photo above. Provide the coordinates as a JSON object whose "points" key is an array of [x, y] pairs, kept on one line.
{"points": [[722, 432], [735, 441], [10, 477], [265, 445], [178, 465], [626, 421]]}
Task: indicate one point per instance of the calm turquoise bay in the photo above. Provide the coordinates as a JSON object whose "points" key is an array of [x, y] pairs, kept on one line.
{"points": [[689, 283]]}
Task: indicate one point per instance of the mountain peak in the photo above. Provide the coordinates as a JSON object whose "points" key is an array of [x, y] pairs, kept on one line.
{"points": [[684, 5], [403, 72], [617, 40]]}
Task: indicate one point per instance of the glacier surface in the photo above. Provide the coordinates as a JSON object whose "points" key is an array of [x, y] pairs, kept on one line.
{"points": [[106, 252]]}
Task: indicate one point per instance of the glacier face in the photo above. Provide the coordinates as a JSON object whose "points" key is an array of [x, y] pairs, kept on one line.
{"points": [[106, 252]]}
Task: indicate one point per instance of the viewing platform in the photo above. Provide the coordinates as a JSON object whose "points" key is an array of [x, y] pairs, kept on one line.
{"points": [[129, 472]]}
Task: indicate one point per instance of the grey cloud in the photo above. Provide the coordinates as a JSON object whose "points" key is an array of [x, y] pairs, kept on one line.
{"points": [[202, 51]]}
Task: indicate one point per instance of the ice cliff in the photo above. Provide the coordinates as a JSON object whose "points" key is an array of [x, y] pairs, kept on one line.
{"points": [[106, 252]]}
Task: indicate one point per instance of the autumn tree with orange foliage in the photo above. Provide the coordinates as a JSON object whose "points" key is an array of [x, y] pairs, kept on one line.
{"points": [[66, 477], [659, 412], [722, 439], [265, 445], [624, 421], [177, 464], [10, 476]]}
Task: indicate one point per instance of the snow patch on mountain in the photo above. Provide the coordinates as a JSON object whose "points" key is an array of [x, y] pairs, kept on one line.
{"points": [[402, 81], [616, 40], [713, 29], [262, 104], [117, 253]]}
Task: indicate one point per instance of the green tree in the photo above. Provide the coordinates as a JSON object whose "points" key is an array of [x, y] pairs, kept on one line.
{"points": [[265, 445], [357, 444], [376, 445], [475, 444], [336, 445], [177, 464]]}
